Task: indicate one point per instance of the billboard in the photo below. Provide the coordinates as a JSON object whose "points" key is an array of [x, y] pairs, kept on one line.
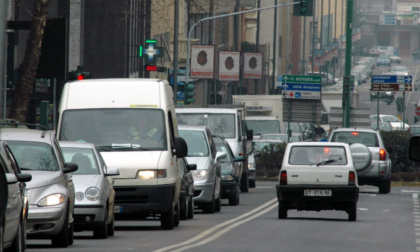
{"points": [[319, 57], [334, 49], [253, 65], [202, 61], [229, 66]]}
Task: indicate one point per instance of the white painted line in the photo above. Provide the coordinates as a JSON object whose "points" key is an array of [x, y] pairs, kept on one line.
{"points": [[410, 191], [373, 195], [417, 224], [417, 229], [370, 190], [264, 187], [362, 209], [417, 220], [386, 210], [367, 102], [417, 240], [417, 213], [418, 248], [415, 196], [209, 231], [418, 234]]}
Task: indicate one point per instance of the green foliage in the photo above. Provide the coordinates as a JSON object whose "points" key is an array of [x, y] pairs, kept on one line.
{"points": [[397, 144], [271, 157]]}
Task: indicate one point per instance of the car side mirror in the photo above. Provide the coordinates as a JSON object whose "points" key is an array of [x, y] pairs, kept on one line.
{"points": [[239, 159], [181, 147], [191, 167], [11, 178], [112, 172], [220, 155], [250, 135], [257, 154], [24, 177], [414, 148], [70, 167]]}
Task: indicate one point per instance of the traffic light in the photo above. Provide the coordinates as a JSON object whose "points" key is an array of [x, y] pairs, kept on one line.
{"points": [[303, 7], [150, 68], [79, 74], [189, 94]]}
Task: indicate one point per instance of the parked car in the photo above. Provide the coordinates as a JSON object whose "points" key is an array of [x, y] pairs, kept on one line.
{"points": [[378, 172], [231, 172], [283, 137], [396, 123], [13, 227], [365, 50], [383, 60], [385, 126], [367, 65], [367, 72], [374, 51], [318, 176], [414, 129], [186, 198], [202, 151], [395, 59], [399, 70], [362, 73], [416, 53], [95, 195], [51, 191]]}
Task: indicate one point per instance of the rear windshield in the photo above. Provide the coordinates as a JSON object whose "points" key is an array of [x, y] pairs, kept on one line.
{"points": [[366, 138], [312, 155]]}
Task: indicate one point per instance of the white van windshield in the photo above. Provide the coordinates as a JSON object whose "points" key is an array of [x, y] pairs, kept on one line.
{"points": [[219, 124], [130, 129]]}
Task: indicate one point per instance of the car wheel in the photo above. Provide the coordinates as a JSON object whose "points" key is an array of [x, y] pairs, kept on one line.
{"points": [[191, 208], [111, 226], [167, 220], [210, 207], [244, 182], [178, 212], [17, 242], [234, 200], [252, 184], [218, 205], [353, 212], [71, 233], [61, 240], [102, 231], [184, 209], [282, 214], [385, 186]]}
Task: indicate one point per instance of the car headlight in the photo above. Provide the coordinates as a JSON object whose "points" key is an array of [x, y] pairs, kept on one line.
{"points": [[227, 177], [251, 165], [52, 200], [200, 174], [92, 193], [149, 174]]}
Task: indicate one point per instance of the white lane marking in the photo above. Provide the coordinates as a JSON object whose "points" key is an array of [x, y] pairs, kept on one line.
{"points": [[418, 234], [372, 195], [417, 220], [370, 190], [417, 224], [417, 229], [217, 235], [410, 191], [367, 102], [209, 231], [418, 248], [415, 196], [386, 210], [362, 209], [417, 240]]}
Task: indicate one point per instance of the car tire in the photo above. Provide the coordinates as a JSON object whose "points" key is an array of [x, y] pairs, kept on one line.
{"points": [[71, 233], [111, 226], [102, 231], [352, 212], [384, 186], [61, 240], [282, 211], [234, 200], [17, 241], [191, 208], [177, 211], [218, 205], [1, 238], [167, 220], [244, 183], [252, 184], [210, 207], [184, 209]]}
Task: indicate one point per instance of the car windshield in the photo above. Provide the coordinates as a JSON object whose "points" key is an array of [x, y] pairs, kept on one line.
{"points": [[219, 124], [84, 158], [383, 56], [282, 137], [34, 156], [312, 155], [224, 148], [366, 138], [131, 129], [263, 126], [196, 142], [390, 118]]}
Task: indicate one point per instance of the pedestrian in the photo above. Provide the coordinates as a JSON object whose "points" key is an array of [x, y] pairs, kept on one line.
{"points": [[319, 131]]}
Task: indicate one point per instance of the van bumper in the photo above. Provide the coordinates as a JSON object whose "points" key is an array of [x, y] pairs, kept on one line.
{"points": [[139, 202]]}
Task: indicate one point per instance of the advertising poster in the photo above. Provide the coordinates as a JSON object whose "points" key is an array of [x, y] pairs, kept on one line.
{"points": [[319, 57], [334, 49], [253, 66], [327, 53], [229, 66], [202, 61]]}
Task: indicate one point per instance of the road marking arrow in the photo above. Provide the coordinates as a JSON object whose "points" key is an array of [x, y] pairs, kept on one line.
{"points": [[407, 79], [407, 87]]}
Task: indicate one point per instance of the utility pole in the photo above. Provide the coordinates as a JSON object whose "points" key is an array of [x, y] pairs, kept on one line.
{"points": [[210, 42], [321, 33], [257, 41], [3, 19], [274, 48], [342, 29], [304, 45], [335, 34], [176, 33], [313, 40], [347, 70]]}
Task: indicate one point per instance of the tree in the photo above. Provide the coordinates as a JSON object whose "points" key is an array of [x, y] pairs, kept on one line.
{"points": [[28, 68]]}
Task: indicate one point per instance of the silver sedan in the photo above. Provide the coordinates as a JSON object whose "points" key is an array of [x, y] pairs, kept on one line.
{"points": [[94, 205]]}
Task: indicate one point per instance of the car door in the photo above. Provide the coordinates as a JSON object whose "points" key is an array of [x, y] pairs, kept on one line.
{"points": [[216, 164], [237, 168]]}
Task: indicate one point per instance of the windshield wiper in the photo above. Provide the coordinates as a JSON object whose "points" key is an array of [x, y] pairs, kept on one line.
{"points": [[328, 161], [26, 169], [121, 147]]}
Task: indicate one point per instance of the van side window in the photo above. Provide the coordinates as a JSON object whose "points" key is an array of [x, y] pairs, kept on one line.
{"points": [[171, 129]]}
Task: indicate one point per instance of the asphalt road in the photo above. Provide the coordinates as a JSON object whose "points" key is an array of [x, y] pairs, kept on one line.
{"points": [[412, 99], [385, 223]]}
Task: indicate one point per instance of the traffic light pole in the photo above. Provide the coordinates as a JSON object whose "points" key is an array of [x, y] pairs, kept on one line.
{"points": [[187, 75], [347, 70], [176, 33]]}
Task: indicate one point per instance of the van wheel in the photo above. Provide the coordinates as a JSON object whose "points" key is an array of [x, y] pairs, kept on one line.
{"points": [[17, 242], [234, 200], [1, 238], [102, 231], [218, 205], [282, 214], [384, 186], [167, 220], [191, 208], [353, 212], [178, 212], [111, 226], [252, 184], [210, 207], [61, 240], [244, 182]]}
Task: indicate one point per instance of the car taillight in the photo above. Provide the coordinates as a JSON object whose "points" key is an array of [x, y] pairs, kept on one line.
{"points": [[283, 178], [352, 178], [382, 155]]}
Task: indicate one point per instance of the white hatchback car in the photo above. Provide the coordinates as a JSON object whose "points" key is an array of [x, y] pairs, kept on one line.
{"points": [[319, 176]]}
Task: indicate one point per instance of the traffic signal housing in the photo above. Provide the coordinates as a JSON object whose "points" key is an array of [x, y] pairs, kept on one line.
{"points": [[189, 94], [79, 74], [303, 8]]}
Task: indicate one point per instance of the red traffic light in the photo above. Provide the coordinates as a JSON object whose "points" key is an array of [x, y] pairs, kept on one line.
{"points": [[151, 68], [80, 77]]}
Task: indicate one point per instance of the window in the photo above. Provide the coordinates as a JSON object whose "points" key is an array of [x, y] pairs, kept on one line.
{"points": [[196, 142], [12, 160], [84, 158], [366, 138], [311, 155], [219, 124], [225, 149], [34, 156]]}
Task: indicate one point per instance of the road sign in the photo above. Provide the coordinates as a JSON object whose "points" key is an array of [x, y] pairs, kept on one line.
{"points": [[391, 87], [387, 19], [301, 87], [417, 111], [395, 83]]}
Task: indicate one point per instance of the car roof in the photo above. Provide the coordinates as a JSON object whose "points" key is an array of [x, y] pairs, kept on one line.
{"points": [[27, 135], [192, 128], [317, 144], [76, 144], [355, 129], [206, 110], [267, 141]]}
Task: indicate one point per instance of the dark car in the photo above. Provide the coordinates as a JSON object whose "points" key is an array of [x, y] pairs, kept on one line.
{"points": [[186, 198], [231, 172]]}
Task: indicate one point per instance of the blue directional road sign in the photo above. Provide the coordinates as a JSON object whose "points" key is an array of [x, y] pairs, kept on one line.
{"points": [[301, 87], [395, 83]]}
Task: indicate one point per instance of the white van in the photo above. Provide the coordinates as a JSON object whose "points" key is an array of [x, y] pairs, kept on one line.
{"points": [[224, 121], [133, 124]]}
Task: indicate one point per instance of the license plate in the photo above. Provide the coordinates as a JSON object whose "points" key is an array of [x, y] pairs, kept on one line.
{"points": [[118, 209], [318, 192]]}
